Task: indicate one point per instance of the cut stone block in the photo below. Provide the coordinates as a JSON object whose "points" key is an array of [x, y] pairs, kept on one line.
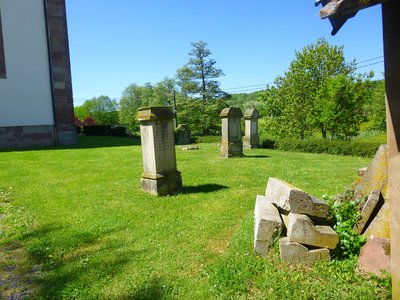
{"points": [[295, 200], [380, 225], [372, 204], [302, 230], [262, 247], [267, 225], [375, 256], [376, 176], [293, 252]]}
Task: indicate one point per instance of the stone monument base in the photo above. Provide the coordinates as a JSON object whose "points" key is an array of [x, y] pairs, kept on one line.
{"points": [[162, 184], [231, 150], [248, 143]]}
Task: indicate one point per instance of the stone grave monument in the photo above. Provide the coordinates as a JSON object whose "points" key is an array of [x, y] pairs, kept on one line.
{"points": [[231, 144], [183, 134], [160, 176], [250, 139]]}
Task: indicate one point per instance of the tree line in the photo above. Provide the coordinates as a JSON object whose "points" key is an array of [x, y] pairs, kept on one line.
{"points": [[320, 92]]}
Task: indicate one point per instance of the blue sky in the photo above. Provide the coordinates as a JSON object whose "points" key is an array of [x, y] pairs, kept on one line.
{"points": [[114, 44]]}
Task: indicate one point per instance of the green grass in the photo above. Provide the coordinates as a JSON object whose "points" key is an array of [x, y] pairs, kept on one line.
{"points": [[78, 226]]}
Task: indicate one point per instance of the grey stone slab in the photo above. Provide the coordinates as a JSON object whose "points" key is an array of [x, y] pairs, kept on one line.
{"points": [[302, 230], [267, 224], [295, 253], [295, 200]]}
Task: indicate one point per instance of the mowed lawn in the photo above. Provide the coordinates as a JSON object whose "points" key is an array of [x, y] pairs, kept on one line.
{"points": [[78, 226]]}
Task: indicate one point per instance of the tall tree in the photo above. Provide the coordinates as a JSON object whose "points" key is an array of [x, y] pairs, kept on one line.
{"points": [[294, 104], [198, 76], [341, 105], [135, 96], [375, 107], [103, 109]]}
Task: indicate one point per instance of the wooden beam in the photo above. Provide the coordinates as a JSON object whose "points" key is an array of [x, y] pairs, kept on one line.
{"points": [[391, 41], [342, 8]]}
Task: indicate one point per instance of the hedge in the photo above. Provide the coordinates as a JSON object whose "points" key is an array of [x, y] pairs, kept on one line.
{"points": [[208, 139], [104, 130], [354, 148]]}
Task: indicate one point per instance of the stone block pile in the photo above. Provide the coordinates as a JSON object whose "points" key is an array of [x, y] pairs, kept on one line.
{"points": [[298, 219]]}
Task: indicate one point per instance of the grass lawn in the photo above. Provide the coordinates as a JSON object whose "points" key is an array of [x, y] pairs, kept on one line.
{"points": [[76, 225]]}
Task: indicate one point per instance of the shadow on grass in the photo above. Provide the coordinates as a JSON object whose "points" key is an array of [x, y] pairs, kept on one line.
{"points": [[153, 290], [68, 258], [203, 188], [87, 142]]}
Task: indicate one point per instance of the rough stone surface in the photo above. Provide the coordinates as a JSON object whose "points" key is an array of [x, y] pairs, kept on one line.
{"points": [[294, 253], [375, 256], [267, 226], [380, 225], [367, 211], [302, 230], [295, 200], [376, 176]]}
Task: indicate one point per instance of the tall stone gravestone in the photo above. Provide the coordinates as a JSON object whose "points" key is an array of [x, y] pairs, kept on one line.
{"points": [[231, 145], [160, 176], [251, 139]]}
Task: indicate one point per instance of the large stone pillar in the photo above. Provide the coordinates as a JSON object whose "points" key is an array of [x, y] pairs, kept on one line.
{"points": [[391, 42], [160, 176], [250, 139], [231, 145]]}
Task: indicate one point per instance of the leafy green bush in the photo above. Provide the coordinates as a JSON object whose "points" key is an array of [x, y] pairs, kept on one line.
{"points": [[355, 148], [267, 141], [345, 212]]}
